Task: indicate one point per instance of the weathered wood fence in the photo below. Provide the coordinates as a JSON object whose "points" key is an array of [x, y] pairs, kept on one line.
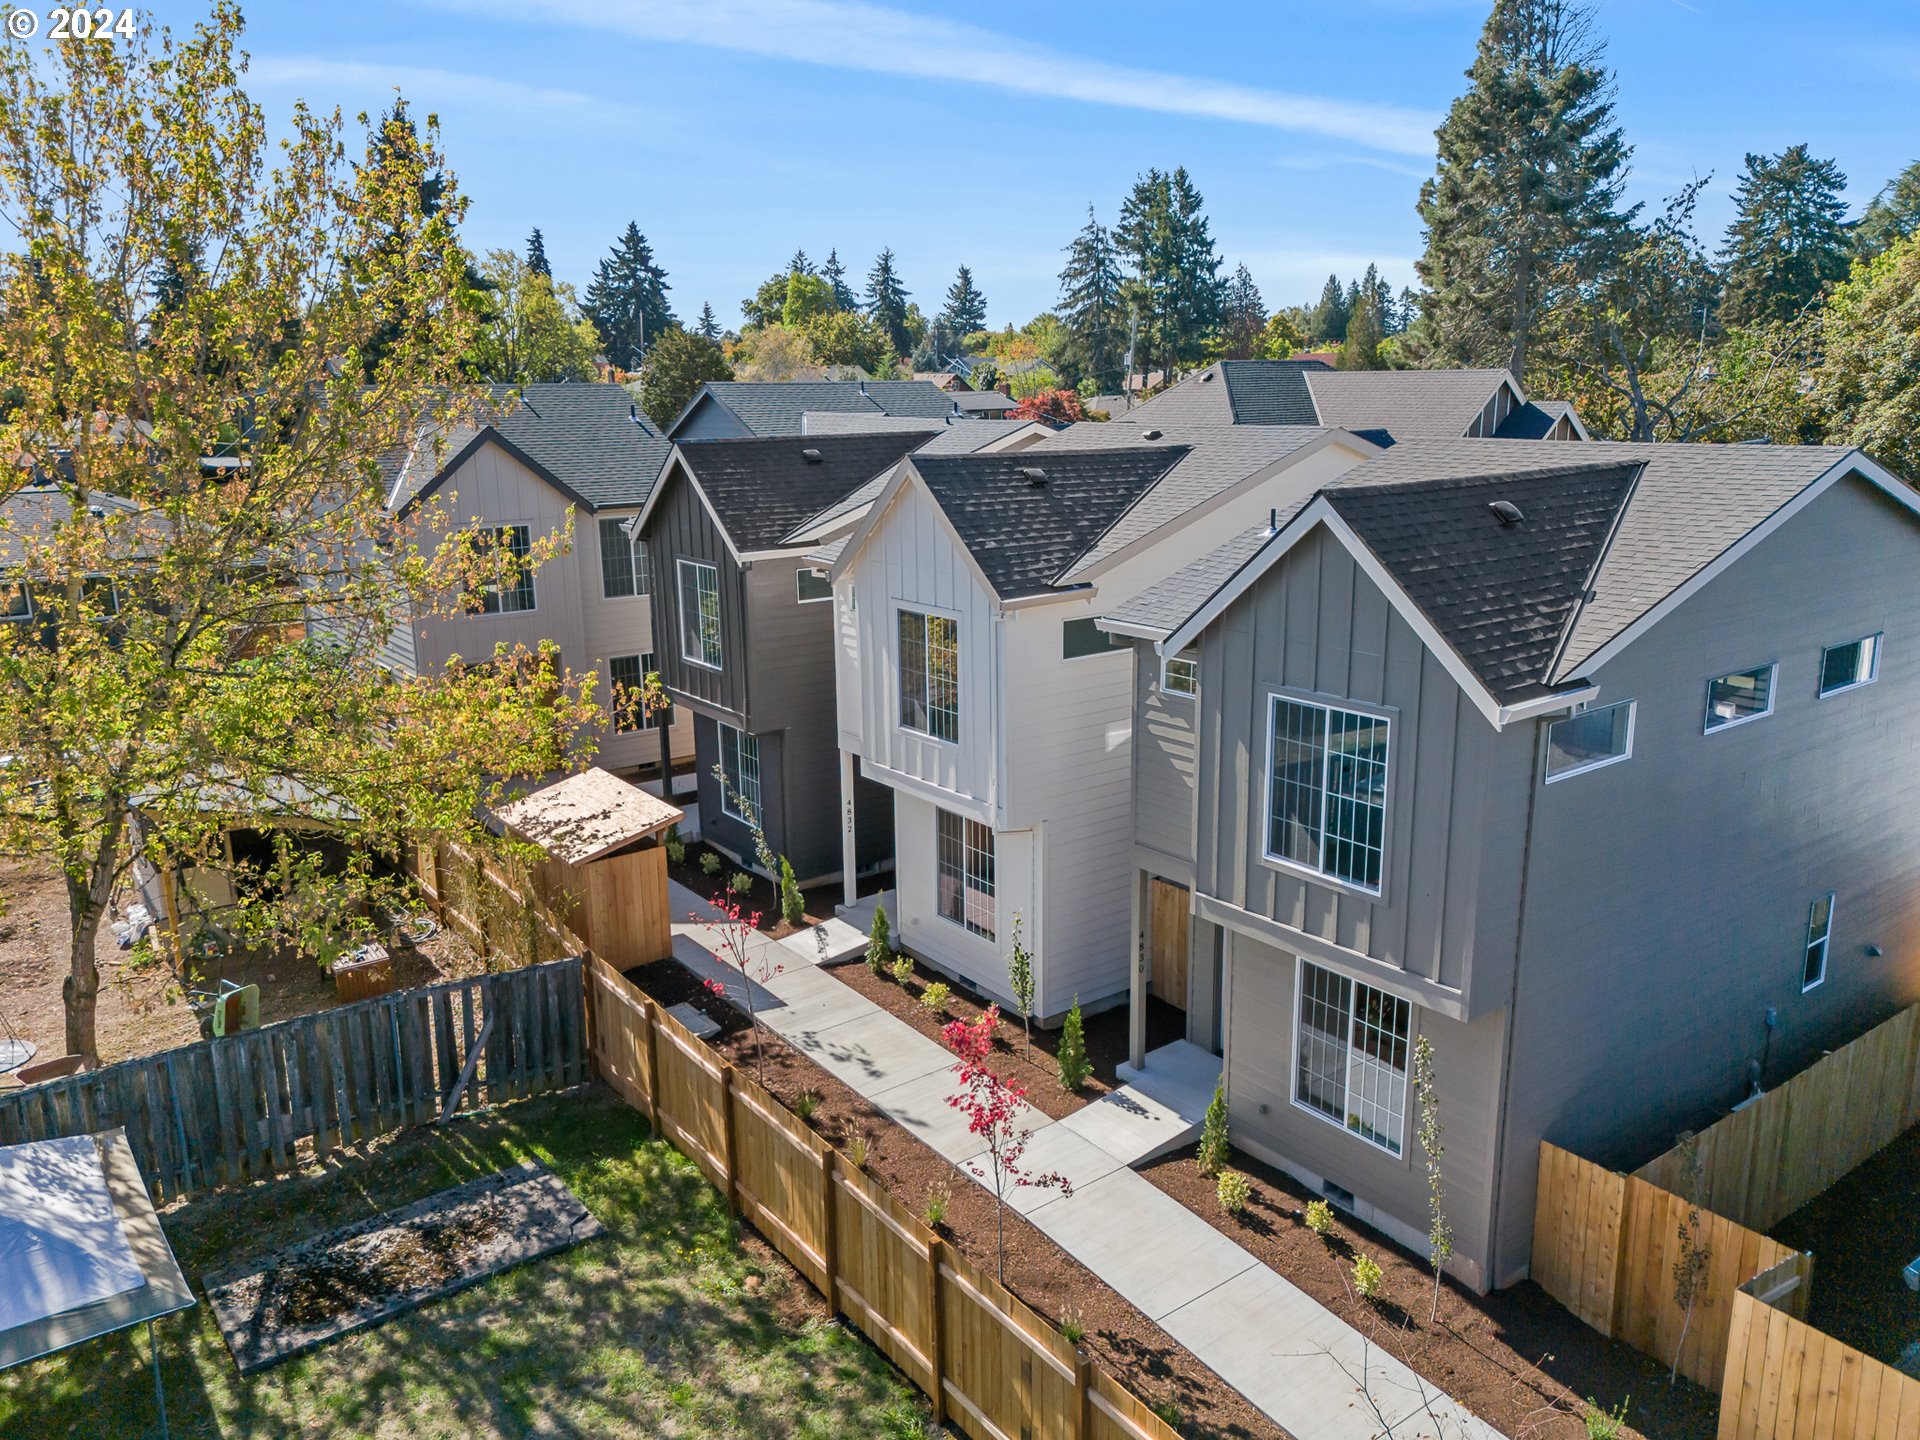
{"points": [[1767, 1159], [1604, 1246], [988, 1362], [239, 1107]]}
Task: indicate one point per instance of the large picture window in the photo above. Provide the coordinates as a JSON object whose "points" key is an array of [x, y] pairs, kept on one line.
{"points": [[699, 585], [1327, 790], [623, 562], [1589, 740], [964, 879], [740, 763], [930, 674], [1351, 1046], [629, 676], [512, 587]]}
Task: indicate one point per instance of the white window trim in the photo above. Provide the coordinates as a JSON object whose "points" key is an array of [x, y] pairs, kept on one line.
{"points": [[1633, 719], [681, 565], [26, 590], [1300, 963], [1773, 689], [1826, 942], [635, 549], [1879, 639], [532, 580], [1295, 867], [732, 784], [820, 570], [1192, 694], [993, 837], [914, 607]]}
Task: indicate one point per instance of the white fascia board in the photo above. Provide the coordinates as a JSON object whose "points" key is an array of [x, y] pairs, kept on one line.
{"points": [[906, 476], [1156, 633], [1547, 704], [966, 805]]}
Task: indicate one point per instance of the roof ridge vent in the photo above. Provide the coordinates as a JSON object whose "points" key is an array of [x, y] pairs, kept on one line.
{"points": [[1506, 512], [810, 455]]}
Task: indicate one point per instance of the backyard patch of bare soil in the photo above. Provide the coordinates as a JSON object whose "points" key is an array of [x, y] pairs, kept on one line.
{"points": [[1515, 1358], [1134, 1349], [369, 1272]]}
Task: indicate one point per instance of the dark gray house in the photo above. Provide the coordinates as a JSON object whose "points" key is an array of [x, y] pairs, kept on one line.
{"points": [[1592, 765], [734, 409]]}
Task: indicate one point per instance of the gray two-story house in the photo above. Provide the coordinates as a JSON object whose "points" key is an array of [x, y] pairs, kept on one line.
{"points": [[1592, 765]]}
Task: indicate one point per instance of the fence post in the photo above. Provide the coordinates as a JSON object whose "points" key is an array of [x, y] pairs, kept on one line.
{"points": [[727, 1138], [830, 1231], [1083, 1384], [936, 1359]]}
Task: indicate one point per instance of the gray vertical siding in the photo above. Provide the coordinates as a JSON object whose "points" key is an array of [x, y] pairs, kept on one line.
{"points": [[679, 527]]}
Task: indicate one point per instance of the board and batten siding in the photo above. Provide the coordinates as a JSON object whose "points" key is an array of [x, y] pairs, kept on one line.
{"points": [[1166, 761], [1668, 894], [918, 924], [680, 528]]}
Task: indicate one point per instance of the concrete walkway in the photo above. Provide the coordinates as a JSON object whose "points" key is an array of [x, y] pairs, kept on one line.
{"points": [[1312, 1373]]}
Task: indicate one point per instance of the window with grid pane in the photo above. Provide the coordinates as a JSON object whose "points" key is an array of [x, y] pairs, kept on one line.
{"points": [[963, 880], [1351, 1049], [1813, 966], [699, 585], [930, 674], [628, 674], [512, 590], [1181, 674], [1327, 790], [740, 763], [623, 562]]}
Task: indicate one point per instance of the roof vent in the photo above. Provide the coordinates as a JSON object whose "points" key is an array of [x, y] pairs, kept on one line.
{"points": [[863, 386], [1273, 521], [1506, 512], [1032, 474], [1149, 434], [1206, 376], [810, 455], [633, 414]]}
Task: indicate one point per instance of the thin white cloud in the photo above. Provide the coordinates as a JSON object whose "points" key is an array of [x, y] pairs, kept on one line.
{"points": [[1337, 162], [855, 35], [427, 86]]}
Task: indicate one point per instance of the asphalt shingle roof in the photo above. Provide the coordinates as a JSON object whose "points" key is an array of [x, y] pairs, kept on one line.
{"points": [[1411, 404], [957, 437], [1164, 606], [776, 407], [1025, 531], [763, 488], [1235, 392], [1533, 420]]}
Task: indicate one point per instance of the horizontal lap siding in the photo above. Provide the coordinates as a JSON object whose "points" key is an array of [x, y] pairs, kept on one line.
{"points": [[790, 656]]}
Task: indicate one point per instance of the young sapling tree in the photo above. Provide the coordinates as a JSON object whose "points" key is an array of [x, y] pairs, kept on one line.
{"points": [[879, 941], [1075, 1069], [1020, 982], [1439, 1228], [1215, 1147], [1690, 1264]]}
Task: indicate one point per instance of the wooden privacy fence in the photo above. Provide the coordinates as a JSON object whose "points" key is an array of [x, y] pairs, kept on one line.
{"points": [[238, 1107], [1604, 1245], [1767, 1159], [1786, 1380], [493, 901], [985, 1359]]}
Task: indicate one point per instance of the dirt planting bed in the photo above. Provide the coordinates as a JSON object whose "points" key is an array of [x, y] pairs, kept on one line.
{"points": [[762, 897]]}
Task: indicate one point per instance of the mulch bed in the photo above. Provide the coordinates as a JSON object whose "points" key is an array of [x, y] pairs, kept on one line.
{"points": [[1039, 1271], [1862, 1231], [1515, 1358], [762, 897], [1106, 1035], [366, 1273]]}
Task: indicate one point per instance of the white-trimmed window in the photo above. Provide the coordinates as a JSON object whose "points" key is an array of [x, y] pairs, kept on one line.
{"points": [[624, 568], [16, 600], [1813, 964], [1742, 696], [963, 878], [930, 674], [1180, 674], [628, 674], [1327, 790], [1350, 1055], [740, 763], [512, 588], [1589, 740], [699, 585], [1844, 666], [810, 584]]}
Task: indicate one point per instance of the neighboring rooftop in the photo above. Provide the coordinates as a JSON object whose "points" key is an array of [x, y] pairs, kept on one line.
{"points": [[775, 407], [761, 489], [957, 437], [1236, 392], [585, 816], [985, 402]]}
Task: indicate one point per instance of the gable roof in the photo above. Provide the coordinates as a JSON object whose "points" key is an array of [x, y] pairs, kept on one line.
{"points": [[1535, 421], [1411, 404], [761, 489], [957, 437], [1236, 392], [777, 407]]}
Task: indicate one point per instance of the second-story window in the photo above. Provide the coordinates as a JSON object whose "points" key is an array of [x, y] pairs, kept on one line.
{"points": [[624, 569], [1844, 666], [1741, 696], [16, 600], [629, 676], [700, 613], [810, 583], [1327, 790], [1181, 673], [1589, 740], [512, 589], [930, 674]]}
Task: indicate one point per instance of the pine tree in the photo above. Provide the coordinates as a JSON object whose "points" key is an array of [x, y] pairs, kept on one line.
{"points": [[1244, 315], [1072, 1056], [1163, 230], [1216, 1145], [1788, 243], [537, 254], [1525, 200], [708, 328], [1090, 307], [966, 309], [800, 265], [1327, 321], [887, 302], [835, 274], [879, 940], [1894, 214], [1367, 326], [627, 301]]}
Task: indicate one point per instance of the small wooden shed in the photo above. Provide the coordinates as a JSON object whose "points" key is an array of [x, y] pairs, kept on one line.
{"points": [[606, 865]]}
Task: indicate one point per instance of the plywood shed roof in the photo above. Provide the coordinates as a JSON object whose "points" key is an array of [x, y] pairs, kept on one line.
{"points": [[588, 815]]}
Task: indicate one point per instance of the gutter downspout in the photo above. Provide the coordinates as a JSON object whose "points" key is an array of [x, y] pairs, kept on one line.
{"points": [[1513, 1012]]}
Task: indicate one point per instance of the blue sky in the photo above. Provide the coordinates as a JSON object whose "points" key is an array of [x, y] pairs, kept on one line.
{"points": [[735, 130]]}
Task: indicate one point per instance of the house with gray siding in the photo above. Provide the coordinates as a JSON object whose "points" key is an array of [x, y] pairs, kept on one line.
{"points": [[1593, 766]]}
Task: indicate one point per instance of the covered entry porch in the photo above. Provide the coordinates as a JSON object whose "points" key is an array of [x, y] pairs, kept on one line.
{"points": [[1177, 961]]}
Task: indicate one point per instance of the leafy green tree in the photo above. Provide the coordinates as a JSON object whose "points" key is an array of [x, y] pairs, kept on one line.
{"points": [[1020, 980], [1089, 310], [627, 301], [1243, 316], [230, 678], [1868, 388], [808, 296], [1175, 285], [680, 362], [707, 328], [774, 353], [767, 304], [1788, 243], [835, 274], [887, 302], [1439, 1228], [966, 308], [532, 331], [1282, 337], [846, 337], [537, 254], [1893, 214], [1075, 1069], [1527, 188]]}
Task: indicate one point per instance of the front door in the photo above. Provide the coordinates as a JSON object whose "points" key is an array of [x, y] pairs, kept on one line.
{"points": [[1168, 908]]}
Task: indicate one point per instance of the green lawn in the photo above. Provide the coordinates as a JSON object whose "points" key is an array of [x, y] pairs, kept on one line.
{"points": [[664, 1327]]}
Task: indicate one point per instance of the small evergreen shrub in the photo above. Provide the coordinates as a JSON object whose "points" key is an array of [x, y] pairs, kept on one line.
{"points": [[935, 996], [1214, 1145], [903, 968], [939, 1201], [792, 907], [709, 863], [1234, 1191], [1320, 1218], [879, 941], [1367, 1276], [1169, 1411], [1073, 1324], [741, 882], [677, 851], [1075, 1070]]}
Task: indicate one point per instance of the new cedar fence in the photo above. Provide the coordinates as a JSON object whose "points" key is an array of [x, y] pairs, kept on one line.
{"points": [[988, 1362], [1773, 1155], [493, 902], [238, 1108]]}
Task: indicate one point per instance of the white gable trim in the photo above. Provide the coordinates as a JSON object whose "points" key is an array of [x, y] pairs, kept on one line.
{"points": [[639, 522], [1853, 462], [906, 476]]}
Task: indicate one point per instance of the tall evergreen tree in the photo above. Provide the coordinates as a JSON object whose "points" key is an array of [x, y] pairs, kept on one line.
{"points": [[537, 254], [1788, 242], [966, 309], [887, 302], [1090, 307], [1327, 321], [1893, 215], [1366, 326], [1526, 196], [1243, 315], [1163, 230], [800, 265], [627, 301], [707, 328], [835, 274]]}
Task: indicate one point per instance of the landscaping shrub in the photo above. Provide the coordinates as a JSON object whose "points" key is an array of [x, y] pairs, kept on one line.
{"points": [[709, 863], [857, 1151], [1603, 1424], [741, 882], [1367, 1276], [1234, 1190], [1214, 1147], [805, 1103], [1320, 1218], [939, 1201], [677, 850], [1073, 1324], [935, 996], [879, 941], [792, 907], [903, 968], [1075, 1070]]}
